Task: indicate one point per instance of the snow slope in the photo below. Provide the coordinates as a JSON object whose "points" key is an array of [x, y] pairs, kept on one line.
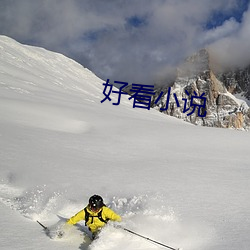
{"points": [[176, 183]]}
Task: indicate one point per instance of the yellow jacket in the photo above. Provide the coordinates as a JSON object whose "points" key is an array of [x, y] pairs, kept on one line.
{"points": [[94, 223]]}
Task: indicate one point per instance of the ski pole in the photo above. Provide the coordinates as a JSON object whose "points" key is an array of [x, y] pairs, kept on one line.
{"points": [[146, 238], [45, 228]]}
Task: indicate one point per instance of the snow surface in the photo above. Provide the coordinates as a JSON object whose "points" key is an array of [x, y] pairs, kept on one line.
{"points": [[183, 185]]}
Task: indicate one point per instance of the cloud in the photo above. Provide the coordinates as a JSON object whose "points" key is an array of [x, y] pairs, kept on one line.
{"points": [[228, 28], [233, 49], [135, 41]]}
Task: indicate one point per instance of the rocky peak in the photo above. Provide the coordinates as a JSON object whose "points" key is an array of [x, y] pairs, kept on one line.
{"points": [[222, 109], [196, 64], [237, 81]]}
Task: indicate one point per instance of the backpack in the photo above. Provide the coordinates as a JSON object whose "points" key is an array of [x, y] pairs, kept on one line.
{"points": [[88, 216]]}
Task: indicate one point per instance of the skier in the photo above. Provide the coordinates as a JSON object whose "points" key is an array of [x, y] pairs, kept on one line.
{"points": [[95, 214]]}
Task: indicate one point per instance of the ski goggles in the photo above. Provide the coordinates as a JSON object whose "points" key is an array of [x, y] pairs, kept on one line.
{"points": [[94, 208]]}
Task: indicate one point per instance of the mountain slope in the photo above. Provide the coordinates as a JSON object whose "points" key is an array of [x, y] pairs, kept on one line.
{"points": [[183, 185]]}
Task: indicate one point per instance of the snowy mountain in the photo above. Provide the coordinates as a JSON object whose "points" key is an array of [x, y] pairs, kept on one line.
{"points": [[183, 185], [223, 109], [237, 81]]}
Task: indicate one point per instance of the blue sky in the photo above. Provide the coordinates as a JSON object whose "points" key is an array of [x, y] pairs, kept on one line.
{"points": [[218, 17], [138, 41]]}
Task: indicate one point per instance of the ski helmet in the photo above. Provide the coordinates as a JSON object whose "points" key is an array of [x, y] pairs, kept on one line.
{"points": [[95, 202]]}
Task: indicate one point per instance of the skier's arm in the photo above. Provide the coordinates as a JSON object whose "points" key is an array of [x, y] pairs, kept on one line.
{"points": [[110, 214], [77, 217]]}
